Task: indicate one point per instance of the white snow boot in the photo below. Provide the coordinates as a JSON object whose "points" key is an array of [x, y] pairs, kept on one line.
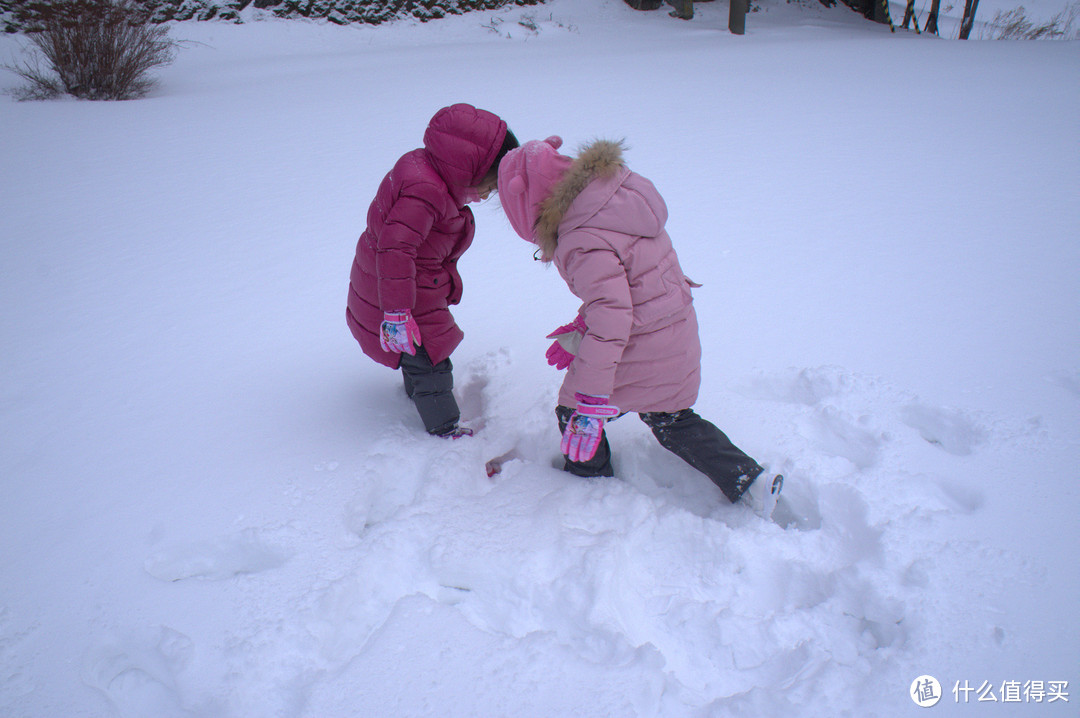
{"points": [[763, 493]]}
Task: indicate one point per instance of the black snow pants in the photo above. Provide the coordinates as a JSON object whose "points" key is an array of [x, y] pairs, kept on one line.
{"points": [[688, 436], [430, 386]]}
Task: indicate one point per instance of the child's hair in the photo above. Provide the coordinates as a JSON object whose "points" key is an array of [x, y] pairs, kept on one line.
{"points": [[510, 142]]}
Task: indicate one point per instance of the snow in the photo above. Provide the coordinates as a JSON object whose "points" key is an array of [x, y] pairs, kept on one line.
{"points": [[215, 505]]}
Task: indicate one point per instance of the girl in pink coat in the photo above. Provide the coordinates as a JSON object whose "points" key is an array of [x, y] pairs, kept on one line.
{"points": [[634, 345], [404, 277]]}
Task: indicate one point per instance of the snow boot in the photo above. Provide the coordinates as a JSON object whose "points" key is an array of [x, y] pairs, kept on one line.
{"points": [[763, 492], [455, 432]]}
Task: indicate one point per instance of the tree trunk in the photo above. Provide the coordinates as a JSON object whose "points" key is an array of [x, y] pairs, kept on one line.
{"points": [[909, 15], [931, 21], [737, 17], [969, 18]]}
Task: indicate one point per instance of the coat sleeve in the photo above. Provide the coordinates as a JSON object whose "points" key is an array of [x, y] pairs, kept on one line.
{"points": [[595, 273], [408, 224]]}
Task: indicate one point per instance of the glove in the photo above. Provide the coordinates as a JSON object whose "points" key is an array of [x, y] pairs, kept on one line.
{"points": [[586, 426], [567, 340], [399, 332]]}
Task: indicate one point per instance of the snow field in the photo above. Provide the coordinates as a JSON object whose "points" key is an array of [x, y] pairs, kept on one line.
{"points": [[215, 506]]}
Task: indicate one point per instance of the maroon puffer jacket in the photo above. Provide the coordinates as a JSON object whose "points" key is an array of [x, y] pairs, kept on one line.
{"points": [[417, 228]]}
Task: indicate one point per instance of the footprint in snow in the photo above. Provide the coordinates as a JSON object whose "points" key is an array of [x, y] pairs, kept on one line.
{"points": [[15, 681], [473, 385], [949, 430], [807, 387], [471, 397], [837, 434], [137, 674], [960, 497], [215, 559], [1068, 382]]}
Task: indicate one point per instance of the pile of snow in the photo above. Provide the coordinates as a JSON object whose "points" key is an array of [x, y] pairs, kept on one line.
{"points": [[216, 506]]}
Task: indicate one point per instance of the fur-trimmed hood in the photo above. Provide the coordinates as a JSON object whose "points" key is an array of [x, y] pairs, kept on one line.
{"points": [[601, 160], [546, 194]]}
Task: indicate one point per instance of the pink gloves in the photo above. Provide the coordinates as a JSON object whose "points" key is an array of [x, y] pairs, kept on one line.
{"points": [[586, 426], [399, 332], [567, 340]]}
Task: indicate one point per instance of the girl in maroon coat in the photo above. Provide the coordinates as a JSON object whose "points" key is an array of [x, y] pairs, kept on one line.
{"points": [[404, 277]]}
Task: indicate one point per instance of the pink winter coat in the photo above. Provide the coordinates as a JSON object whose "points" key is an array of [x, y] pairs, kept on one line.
{"points": [[417, 228], [603, 226]]}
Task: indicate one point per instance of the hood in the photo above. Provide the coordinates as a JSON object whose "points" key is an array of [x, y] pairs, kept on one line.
{"points": [[463, 142], [543, 194], [527, 175]]}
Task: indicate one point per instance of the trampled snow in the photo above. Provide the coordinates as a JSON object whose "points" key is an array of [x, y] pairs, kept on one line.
{"points": [[215, 505]]}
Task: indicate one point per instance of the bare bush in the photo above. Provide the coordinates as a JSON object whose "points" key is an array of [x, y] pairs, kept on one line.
{"points": [[92, 49], [1015, 25]]}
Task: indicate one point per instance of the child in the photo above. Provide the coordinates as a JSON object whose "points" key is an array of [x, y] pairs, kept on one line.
{"points": [[634, 345], [404, 277]]}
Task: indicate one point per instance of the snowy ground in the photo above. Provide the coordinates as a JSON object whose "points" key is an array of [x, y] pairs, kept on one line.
{"points": [[215, 506]]}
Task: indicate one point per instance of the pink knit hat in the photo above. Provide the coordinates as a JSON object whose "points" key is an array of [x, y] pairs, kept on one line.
{"points": [[527, 176]]}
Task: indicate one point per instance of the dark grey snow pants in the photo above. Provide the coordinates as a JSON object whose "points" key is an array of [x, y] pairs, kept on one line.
{"points": [[688, 436], [430, 386]]}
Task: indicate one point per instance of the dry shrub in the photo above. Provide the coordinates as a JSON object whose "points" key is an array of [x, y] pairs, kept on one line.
{"points": [[1015, 25], [92, 49]]}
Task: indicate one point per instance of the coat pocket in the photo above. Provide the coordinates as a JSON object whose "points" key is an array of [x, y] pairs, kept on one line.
{"points": [[663, 294], [437, 288]]}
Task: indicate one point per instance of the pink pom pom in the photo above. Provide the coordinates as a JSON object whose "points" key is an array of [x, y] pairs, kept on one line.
{"points": [[516, 186]]}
